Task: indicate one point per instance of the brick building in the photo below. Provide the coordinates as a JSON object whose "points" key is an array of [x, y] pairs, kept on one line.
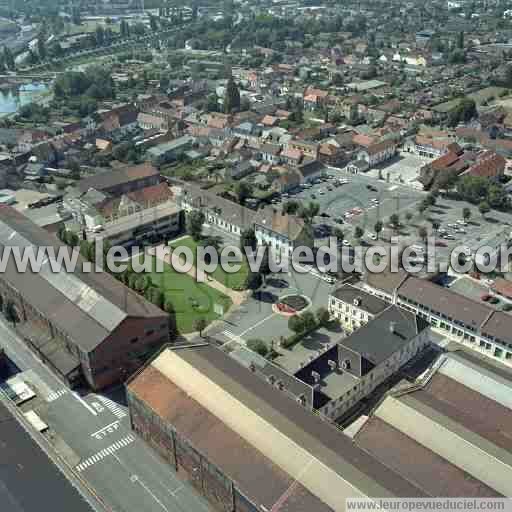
{"points": [[88, 327]]}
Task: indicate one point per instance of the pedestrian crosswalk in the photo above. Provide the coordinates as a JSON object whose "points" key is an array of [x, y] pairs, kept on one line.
{"points": [[233, 337], [97, 457], [54, 395], [114, 408]]}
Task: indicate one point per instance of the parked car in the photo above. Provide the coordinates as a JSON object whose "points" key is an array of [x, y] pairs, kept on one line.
{"points": [[486, 297]]}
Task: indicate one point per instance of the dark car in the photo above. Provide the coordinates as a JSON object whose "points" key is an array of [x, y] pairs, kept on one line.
{"points": [[326, 215], [372, 188]]}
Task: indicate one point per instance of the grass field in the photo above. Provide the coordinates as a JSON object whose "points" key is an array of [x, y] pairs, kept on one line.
{"points": [[234, 281], [191, 300]]}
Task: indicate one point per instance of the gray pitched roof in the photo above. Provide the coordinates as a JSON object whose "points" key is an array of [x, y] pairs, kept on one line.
{"points": [[388, 333], [88, 307], [366, 301], [106, 180], [443, 300]]}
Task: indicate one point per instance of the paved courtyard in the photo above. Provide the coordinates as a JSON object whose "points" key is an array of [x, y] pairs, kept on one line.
{"points": [[405, 169]]}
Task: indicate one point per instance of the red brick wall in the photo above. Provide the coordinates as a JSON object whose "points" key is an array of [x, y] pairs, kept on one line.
{"points": [[120, 355]]}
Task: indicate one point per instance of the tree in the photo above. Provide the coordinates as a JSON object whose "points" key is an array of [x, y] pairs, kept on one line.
{"points": [[309, 212], [248, 239], [394, 220], [9, 59], [460, 40], [71, 239], [100, 35], [200, 325], [212, 104], [422, 207], [253, 281], [423, 233], [358, 232], [291, 207], [195, 221], [41, 47], [484, 208], [309, 320], [258, 346], [231, 97], [265, 262], [339, 234], [157, 298], [378, 228], [436, 225], [430, 200], [296, 324], [466, 213], [322, 316], [125, 29], [11, 314], [408, 216], [153, 23], [243, 191]]}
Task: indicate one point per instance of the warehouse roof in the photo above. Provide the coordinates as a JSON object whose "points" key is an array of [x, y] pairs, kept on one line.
{"points": [[109, 179], [327, 448], [86, 306], [417, 463], [448, 414], [255, 475]]}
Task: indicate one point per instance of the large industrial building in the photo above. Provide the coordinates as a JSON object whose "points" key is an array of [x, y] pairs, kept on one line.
{"points": [[449, 432], [85, 326], [245, 446]]}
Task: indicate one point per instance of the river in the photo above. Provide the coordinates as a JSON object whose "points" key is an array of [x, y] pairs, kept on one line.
{"points": [[12, 98]]}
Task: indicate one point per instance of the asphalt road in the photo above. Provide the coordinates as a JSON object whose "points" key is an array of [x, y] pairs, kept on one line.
{"points": [[93, 434], [29, 481]]}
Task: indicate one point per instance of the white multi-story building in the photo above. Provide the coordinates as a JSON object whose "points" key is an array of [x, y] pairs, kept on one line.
{"points": [[354, 308], [472, 324], [356, 365]]}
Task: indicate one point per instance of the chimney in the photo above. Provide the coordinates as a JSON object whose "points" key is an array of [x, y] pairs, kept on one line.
{"points": [[392, 327]]}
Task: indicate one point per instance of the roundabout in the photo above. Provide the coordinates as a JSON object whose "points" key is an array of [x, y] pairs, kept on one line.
{"points": [[291, 304]]}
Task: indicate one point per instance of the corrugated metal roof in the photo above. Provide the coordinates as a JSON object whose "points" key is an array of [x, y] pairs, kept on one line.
{"points": [[88, 300], [478, 379]]}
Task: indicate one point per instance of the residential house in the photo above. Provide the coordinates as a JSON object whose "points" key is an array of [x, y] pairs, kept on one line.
{"points": [[270, 153], [314, 98], [378, 153]]}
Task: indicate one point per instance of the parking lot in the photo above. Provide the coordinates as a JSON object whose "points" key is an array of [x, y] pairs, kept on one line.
{"points": [[360, 201]]}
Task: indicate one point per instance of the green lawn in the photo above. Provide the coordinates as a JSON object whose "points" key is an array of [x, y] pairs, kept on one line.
{"points": [[191, 300], [234, 281]]}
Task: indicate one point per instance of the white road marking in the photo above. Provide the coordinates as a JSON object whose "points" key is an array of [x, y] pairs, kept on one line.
{"points": [[148, 490], [97, 457], [108, 429], [233, 337], [257, 324], [114, 408], [85, 404], [56, 394], [173, 493]]}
